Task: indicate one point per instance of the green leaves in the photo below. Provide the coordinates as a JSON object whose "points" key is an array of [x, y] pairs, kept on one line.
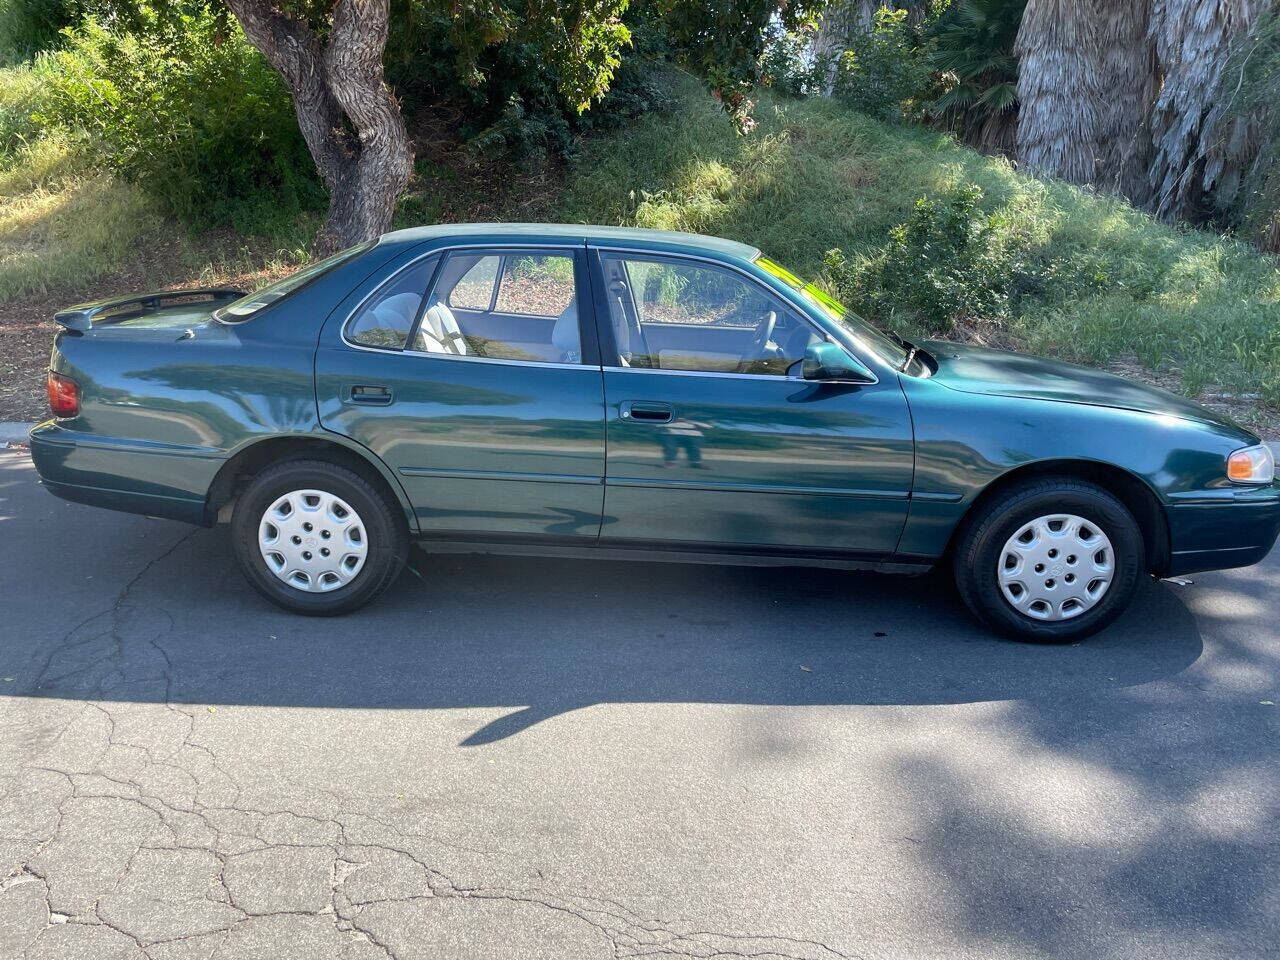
{"points": [[884, 71], [971, 49], [948, 263], [188, 110], [724, 41], [583, 40]]}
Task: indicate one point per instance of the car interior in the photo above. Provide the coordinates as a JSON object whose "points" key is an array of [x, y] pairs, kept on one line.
{"points": [[666, 315], [673, 316], [509, 306]]}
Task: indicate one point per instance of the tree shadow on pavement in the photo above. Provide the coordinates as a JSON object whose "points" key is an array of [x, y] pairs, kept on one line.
{"points": [[547, 636]]}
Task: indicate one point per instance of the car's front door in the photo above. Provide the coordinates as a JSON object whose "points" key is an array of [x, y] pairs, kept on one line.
{"points": [[464, 371], [713, 437]]}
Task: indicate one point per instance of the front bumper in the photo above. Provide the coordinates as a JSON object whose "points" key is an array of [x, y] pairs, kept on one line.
{"points": [[1236, 527]]}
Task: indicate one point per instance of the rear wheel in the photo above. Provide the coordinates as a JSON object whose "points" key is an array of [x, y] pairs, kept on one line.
{"points": [[317, 538], [1050, 560]]}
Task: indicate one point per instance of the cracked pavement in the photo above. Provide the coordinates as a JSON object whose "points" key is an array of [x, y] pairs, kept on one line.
{"points": [[533, 758]]}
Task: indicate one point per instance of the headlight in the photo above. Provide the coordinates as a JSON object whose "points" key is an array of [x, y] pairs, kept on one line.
{"points": [[1252, 465]]}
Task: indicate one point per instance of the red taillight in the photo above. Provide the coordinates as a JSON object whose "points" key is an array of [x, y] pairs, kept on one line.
{"points": [[64, 395]]}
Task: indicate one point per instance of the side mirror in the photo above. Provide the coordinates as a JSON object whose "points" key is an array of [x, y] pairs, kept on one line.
{"points": [[828, 361]]}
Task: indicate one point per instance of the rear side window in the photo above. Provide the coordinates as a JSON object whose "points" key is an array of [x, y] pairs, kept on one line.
{"points": [[387, 318], [536, 285], [475, 290], [508, 305]]}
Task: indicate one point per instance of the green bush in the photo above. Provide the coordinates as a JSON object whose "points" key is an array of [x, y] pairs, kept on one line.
{"points": [[511, 103], [948, 262], [884, 72], [192, 113]]}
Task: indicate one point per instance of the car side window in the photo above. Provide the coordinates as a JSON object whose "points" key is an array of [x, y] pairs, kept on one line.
{"points": [[536, 285], [474, 291], [507, 305], [669, 314], [387, 318]]}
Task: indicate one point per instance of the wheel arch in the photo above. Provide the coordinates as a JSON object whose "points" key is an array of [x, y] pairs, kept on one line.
{"points": [[1130, 489], [253, 457]]}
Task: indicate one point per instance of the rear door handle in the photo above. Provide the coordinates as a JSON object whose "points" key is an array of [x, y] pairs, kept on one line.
{"points": [[371, 394], [647, 412]]}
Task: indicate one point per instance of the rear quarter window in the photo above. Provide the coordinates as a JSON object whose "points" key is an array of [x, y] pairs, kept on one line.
{"points": [[387, 318]]}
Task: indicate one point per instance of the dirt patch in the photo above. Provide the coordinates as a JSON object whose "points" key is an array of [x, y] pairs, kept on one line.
{"points": [[27, 327]]}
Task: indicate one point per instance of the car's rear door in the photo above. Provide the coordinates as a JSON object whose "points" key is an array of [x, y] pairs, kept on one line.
{"points": [[465, 371], [714, 440]]}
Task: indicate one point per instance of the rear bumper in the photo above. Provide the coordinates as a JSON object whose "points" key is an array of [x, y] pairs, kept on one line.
{"points": [[1234, 528], [158, 482]]}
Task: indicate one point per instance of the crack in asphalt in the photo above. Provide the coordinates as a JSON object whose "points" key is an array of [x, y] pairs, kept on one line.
{"points": [[127, 847]]}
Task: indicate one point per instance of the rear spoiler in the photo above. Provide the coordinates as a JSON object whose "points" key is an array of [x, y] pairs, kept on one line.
{"points": [[80, 317]]}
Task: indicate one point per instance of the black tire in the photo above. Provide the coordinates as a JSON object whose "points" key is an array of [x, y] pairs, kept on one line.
{"points": [[977, 555], [382, 518]]}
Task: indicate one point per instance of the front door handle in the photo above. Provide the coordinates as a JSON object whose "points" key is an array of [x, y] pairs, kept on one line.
{"points": [[371, 394], [647, 412]]}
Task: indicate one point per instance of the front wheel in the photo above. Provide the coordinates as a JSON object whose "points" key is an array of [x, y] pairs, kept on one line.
{"points": [[316, 538], [1050, 560]]}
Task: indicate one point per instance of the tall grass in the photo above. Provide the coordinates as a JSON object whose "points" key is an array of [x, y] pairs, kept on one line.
{"points": [[64, 225], [1201, 309]]}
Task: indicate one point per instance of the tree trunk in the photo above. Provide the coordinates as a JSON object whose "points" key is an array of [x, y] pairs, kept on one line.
{"points": [[839, 21], [348, 116], [1058, 94], [1085, 80], [1128, 75], [1200, 154]]}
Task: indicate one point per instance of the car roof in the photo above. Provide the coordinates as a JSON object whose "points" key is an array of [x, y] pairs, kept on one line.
{"points": [[577, 232]]}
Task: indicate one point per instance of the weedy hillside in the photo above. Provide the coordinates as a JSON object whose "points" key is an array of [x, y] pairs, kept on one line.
{"points": [[931, 237]]}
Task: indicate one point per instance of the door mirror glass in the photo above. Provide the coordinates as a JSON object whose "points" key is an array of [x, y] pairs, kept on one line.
{"points": [[828, 361]]}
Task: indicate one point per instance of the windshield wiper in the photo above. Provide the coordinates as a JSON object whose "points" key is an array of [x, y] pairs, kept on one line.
{"points": [[912, 350]]}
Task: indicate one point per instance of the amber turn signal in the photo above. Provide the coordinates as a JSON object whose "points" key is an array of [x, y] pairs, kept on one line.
{"points": [[1252, 465]]}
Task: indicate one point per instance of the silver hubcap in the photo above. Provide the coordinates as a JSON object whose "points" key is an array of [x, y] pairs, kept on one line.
{"points": [[313, 541], [1056, 567]]}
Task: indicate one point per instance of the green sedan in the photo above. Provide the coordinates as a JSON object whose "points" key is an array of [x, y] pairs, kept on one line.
{"points": [[616, 393]]}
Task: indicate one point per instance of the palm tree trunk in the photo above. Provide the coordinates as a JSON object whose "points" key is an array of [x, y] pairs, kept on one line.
{"points": [[1060, 102], [1085, 79], [1128, 75], [1200, 153]]}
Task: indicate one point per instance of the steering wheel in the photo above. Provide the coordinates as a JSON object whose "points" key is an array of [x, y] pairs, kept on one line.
{"points": [[759, 339]]}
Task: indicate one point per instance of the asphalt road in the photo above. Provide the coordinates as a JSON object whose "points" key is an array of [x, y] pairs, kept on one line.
{"points": [[516, 758]]}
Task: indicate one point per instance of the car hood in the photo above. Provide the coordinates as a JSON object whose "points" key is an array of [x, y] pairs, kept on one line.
{"points": [[971, 369]]}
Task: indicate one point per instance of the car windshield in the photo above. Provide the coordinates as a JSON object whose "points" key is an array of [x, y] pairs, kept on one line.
{"points": [[890, 348], [245, 307]]}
